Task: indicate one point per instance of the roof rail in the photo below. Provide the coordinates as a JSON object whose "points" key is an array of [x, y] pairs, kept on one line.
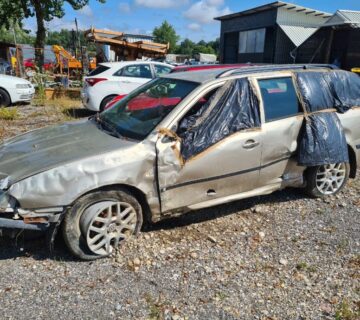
{"points": [[272, 67]]}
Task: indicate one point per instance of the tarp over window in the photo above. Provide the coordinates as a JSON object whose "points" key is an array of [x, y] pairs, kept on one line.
{"points": [[234, 107], [323, 140]]}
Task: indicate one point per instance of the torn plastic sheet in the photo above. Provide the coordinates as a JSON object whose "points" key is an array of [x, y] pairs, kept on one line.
{"points": [[326, 90], [322, 141], [234, 107]]}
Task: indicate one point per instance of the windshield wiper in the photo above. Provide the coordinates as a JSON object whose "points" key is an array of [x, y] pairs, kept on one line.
{"points": [[107, 126]]}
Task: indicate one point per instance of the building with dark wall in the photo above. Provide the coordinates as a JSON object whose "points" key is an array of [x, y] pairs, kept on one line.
{"points": [[337, 41], [267, 34]]}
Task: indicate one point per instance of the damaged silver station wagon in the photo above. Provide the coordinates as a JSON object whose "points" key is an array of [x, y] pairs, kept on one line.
{"points": [[182, 142]]}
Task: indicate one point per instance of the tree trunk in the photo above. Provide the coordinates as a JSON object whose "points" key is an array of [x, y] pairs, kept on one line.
{"points": [[40, 34]]}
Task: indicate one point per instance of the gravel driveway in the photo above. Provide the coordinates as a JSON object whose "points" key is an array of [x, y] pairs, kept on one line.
{"points": [[282, 256]]}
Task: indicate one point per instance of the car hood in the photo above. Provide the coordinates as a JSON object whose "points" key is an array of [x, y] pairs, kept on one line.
{"points": [[40, 150], [11, 79]]}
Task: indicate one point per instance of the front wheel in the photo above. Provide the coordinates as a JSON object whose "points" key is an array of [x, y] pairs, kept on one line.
{"points": [[5, 100], [326, 180], [98, 222]]}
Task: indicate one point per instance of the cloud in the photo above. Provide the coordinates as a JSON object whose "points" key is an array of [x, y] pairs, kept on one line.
{"points": [[124, 7], [86, 11], [160, 4], [204, 11], [194, 26]]}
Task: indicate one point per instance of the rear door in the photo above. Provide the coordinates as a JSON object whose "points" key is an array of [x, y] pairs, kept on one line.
{"points": [[132, 76], [283, 119]]}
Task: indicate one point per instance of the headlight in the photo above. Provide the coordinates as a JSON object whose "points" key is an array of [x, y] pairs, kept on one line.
{"points": [[23, 86]]}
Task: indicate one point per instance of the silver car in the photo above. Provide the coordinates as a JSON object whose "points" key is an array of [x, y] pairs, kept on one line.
{"points": [[173, 145]]}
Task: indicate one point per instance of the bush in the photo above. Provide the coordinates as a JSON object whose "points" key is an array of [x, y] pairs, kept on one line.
{"points": [[9, 114]]}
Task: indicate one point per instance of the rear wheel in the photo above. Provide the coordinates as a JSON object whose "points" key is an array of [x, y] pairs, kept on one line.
{"points": [[97, 223], [327, 180], [105, 102], [5, 100]]}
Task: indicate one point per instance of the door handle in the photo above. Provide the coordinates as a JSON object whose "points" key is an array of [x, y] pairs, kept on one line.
{"points": [[250, 144]]}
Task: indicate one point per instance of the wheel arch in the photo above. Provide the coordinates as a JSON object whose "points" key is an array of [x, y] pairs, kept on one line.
{"points": [[102, 105], [137, 193], [8, 93]]}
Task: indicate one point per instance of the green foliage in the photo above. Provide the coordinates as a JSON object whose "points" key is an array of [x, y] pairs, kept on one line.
{"points": [[191, 48], [9, 114], [22, 36], [12, 11], [166, 34]]}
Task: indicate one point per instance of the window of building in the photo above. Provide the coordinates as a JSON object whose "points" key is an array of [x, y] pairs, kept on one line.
{"points": [[280, 98], [252, 41]]}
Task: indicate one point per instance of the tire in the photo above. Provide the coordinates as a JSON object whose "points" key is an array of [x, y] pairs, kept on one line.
{"points": [[5, 100], [90, 213], [326, 180], [105, 102]]}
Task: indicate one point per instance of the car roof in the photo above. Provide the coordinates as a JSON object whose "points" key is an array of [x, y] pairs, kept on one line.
{"points": [[210, 66], [124, 63], [203, 76]]}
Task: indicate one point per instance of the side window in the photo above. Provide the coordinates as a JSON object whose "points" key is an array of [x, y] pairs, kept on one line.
{"points": [[280, 98], [135, 71], [160, 70]]}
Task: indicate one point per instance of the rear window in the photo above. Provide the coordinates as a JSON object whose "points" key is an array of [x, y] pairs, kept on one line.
{"points": [[98, 70], [280, 98]]}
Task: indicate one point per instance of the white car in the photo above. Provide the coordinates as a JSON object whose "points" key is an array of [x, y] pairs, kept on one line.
{"points": [[112, 79], [14, 89]]}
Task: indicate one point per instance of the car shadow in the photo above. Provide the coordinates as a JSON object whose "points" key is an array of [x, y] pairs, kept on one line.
{"points": [[212, 213], [78, 113], [37, 249]]}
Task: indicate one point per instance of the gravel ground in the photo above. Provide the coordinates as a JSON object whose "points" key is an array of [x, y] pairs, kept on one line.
{"points": [[282, 256]]}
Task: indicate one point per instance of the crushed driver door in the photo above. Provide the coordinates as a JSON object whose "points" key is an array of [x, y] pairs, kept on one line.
{"points": [[221, 171]]}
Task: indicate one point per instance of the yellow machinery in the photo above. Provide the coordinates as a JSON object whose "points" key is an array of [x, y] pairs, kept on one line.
{"points": [[65, 61], [355, 70]]}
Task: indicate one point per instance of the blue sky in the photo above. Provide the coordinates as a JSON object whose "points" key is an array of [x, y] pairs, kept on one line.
{"points": [[192, 18]]}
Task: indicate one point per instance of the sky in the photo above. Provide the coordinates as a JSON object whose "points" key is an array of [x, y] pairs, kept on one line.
{"points": [[192, 19]]}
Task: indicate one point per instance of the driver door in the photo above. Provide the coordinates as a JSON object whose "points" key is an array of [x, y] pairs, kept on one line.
{"points": [[219, 174]]}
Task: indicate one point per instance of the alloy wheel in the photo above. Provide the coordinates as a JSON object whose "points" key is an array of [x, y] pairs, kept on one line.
{"points": [[105, 224], [330, 178]]}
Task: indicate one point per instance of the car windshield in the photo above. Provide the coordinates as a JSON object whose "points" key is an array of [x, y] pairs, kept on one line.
{"points": [[136, 115]]}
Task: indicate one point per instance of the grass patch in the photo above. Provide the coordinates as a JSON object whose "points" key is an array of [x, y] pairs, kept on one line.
{"points": [[9, 114], [345, 311]]}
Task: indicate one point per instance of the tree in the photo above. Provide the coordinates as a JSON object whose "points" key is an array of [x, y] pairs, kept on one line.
{"points": [[166, 34], [186, 47], [42, 10]]}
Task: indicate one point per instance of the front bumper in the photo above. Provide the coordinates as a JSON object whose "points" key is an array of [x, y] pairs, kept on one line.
{"points": [[21, 225], [12, 217]]}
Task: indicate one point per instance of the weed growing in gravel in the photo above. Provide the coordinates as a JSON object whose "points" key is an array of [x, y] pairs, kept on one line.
{"points": [[345, 312], [9, 114]]}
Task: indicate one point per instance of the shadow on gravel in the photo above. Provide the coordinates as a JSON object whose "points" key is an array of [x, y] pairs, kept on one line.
{"points": [[226, 209], [78, 113], [36, 248]]}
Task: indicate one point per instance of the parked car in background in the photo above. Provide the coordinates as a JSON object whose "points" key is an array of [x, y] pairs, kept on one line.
{"points": [[198, 67], [187, 68], [14, 90], [109, 80], [182, 142]]}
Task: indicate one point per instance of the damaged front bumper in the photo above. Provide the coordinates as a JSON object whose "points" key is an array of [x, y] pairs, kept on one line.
{"points": [[12, 217]]}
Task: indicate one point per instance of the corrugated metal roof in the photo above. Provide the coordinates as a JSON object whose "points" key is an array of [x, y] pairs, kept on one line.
{"points": [[298, 34], [344, 17], [277, 4]]}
